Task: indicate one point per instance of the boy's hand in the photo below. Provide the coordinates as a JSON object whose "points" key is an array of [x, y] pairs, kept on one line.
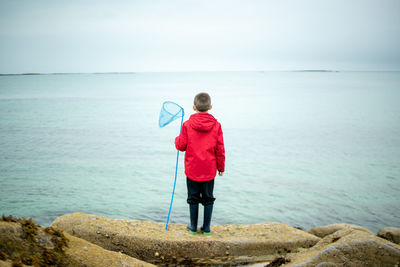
{"points": [[220, 173]]}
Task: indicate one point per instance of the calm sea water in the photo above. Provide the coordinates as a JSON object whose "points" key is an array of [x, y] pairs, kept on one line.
{"points": [[302, 148]]}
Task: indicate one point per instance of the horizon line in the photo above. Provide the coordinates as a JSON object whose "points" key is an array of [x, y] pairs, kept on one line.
{"points": [[134, 72]]}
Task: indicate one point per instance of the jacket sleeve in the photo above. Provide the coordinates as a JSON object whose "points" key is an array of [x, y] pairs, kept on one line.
{"points": [[181, 140], [220, 151]]}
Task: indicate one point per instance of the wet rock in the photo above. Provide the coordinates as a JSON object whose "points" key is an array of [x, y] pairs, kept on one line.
{"points": [[349, 247], [390, 233], [25, 243], [330, 229], [142, 239]]}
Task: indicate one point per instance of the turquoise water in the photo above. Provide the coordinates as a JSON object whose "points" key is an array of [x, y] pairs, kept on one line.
{"points": [[302, 148]]}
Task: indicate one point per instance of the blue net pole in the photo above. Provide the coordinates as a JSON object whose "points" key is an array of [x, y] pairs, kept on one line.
{"points": [[176, 171]]}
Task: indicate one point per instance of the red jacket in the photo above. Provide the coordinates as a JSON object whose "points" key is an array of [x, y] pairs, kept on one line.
{"points": [[201, 137]]}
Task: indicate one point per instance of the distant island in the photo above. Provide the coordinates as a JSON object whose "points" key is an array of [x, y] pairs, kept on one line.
{"points": [[76, 73], [62, 73], [316, 71]]}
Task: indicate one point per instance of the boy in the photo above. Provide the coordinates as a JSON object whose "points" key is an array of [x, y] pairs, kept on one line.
{"points": [[201, 137]]}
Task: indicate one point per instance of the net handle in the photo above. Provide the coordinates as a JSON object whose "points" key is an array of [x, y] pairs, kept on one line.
{"points": [[176, 171]]}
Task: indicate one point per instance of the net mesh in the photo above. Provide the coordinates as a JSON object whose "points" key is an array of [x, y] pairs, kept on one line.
{"points": [[170, 111]]}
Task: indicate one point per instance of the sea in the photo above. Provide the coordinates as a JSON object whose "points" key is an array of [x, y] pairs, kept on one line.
{"points": [[304, 148]]}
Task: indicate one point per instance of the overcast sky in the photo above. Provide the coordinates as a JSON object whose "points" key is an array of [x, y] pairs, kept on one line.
{"points": [[203, 35]]}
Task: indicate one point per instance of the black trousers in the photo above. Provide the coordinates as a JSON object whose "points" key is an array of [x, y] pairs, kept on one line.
{"points": [[200, 192]]}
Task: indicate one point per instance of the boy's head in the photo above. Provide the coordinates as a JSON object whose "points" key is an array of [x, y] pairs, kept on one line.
{"points": [[202, 102]]}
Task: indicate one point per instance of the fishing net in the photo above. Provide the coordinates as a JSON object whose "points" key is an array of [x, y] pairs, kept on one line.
{"points": [[170, 111]]}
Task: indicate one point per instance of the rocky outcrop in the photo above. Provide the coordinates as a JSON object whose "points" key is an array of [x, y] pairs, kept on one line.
{"points": [[100, 241], [149, 241], [330, 229], [22, 242], [390, 233], [349, 247]]}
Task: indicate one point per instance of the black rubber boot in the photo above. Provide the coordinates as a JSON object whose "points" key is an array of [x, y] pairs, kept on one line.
{"points": [[194, 214], [207, 219]]}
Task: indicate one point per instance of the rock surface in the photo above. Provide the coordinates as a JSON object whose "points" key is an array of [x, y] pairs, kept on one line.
{"points": [[330, 229], [349, 247], [266, 244], [31, 244], [88, 254], [390, 233], [149, 241]]}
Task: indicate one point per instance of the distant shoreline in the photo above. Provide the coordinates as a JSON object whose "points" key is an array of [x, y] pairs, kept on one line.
{"points": [[315, 71], [259, 71], [60, 73]]}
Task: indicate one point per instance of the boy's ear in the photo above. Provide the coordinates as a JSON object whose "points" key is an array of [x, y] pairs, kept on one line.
{"points": [[210, 107], [194, 108]]}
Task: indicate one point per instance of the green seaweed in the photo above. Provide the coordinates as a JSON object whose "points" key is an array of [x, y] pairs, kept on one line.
{"points": [[16, 263], [10, 218], [30, 251], [58, 238], [30, 230], [3, 256], [27, 259], [52, 258], [277, 262]]}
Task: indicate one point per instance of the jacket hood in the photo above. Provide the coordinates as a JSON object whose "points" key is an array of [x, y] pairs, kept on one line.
{"points": [[202, 121]]}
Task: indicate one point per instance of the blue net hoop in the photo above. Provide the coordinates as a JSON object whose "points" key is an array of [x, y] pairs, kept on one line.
{"points": [[170, 111]]}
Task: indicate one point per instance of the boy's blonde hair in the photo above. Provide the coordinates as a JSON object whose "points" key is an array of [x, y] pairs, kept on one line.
{"points": [[202, 102]]}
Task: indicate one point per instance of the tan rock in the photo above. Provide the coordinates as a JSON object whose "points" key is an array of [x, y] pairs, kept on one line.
{"points": [[90, 254], [45, 246], [149, 241], [349, 247], [390, 233], [330, 229]]}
